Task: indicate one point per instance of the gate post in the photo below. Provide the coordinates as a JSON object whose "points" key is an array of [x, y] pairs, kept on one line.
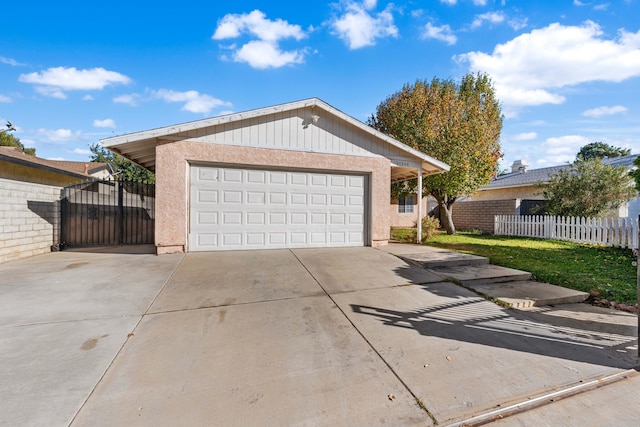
{"points": [[120, 217], [63, 218]]}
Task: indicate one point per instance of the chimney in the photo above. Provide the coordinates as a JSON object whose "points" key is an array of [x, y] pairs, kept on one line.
{"points": [[86, 168], [519, 166]]}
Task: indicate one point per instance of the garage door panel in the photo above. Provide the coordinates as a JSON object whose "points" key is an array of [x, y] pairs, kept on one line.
{"points": [[356, 181], [299, 199], [254, 197], [208, 174], [278, 198], [206, 218], [257, 177], [278, 178], [232, 175], [256, 209]]}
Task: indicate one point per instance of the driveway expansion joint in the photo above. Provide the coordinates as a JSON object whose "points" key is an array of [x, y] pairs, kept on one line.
{"points": [[418, 401]]}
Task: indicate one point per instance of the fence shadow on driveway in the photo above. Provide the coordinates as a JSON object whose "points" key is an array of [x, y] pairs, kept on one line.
{"points": [[473, 319]]}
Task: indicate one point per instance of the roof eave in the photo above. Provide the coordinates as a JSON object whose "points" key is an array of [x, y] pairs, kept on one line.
{"points": [[154, 135], [24, 162]]}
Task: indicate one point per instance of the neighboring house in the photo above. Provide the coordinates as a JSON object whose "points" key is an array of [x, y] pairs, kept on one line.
{"points": [[29, 200], [514, 193], [523, 185], [296, 175]]}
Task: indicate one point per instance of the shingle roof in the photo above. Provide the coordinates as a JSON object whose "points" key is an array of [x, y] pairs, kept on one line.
{"points": [[15, 155], [534, 176]]}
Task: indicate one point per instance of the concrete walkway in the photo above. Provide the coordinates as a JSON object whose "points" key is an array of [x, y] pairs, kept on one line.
{"points": [[510, 287], [352, 336]]}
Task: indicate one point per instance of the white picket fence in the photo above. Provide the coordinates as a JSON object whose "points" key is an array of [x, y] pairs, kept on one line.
{"points": [[616, 232]]}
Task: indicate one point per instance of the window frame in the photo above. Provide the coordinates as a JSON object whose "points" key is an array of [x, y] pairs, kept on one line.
{"points": [[406, 203]]}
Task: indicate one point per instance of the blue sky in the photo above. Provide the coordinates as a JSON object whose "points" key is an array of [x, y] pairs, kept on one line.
{"points": [[567, 72]]}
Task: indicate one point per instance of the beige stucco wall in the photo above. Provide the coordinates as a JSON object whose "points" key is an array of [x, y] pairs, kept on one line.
{"points": [[530, 192], [172, 183], [405, 220]]}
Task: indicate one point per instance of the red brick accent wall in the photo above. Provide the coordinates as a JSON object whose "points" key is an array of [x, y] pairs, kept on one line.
{"points": [[479, 215]]}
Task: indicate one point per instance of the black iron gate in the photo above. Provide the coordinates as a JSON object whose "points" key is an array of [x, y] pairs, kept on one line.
{"points": [[107, 213]]}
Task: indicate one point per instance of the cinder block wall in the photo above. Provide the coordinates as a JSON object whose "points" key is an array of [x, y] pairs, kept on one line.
{"points": [[479, 215], [29, 219]]}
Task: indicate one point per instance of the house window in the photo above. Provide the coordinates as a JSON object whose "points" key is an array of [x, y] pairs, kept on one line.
{"points": [[405, 204]]}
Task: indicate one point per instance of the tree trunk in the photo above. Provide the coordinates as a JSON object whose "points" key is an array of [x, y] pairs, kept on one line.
{"points": [[447, 220], [444, 207]]}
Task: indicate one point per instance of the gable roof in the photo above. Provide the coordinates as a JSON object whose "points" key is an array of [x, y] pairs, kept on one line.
{"points": [[542, 175], [75, 169], [139, 147]]}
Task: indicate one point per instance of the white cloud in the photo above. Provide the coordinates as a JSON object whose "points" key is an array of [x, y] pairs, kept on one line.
{"points": [[480, 2], [358, 27], [265, 52], [106, 123], [194, 101], [87, 97], [525, 136], [605, 111], [54, 82], [442, 33], [256, 23], [10, 61], [495, 18], [530, 69], [518, 23], [58, 136], [490, 17], [559, 150], [449, 2], [131, 99], [4, 98], [81, 151]]}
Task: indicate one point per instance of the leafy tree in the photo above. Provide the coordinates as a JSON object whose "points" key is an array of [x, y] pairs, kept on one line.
{"points": [[600, 150], [589, 188], [125, 168], [458, 124], [635, 173], [8, 140]]}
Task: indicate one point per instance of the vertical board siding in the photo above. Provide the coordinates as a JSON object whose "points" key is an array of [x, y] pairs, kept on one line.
{"points": [[613, 232], [293, 130]]}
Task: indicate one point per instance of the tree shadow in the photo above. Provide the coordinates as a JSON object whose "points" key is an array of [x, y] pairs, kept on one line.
{"points": [[469, 318]]}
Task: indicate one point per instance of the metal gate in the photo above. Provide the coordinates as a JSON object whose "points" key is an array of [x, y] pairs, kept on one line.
{"points": [[532, 207], [107, 213]]}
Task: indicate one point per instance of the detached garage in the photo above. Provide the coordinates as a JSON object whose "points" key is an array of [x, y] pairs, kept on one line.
{"points": [[295, 175]]}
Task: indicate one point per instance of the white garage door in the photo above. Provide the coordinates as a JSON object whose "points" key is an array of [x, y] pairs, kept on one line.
{"points": [[259, 209]]}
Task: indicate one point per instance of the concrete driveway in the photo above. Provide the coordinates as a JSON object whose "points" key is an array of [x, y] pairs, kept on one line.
{"points": [[350, 336]]}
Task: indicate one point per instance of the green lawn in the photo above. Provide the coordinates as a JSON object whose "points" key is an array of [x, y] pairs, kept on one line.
{"points": [[604, 272]]}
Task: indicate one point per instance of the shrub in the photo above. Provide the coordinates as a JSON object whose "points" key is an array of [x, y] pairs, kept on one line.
{"points": [[430, 226]]}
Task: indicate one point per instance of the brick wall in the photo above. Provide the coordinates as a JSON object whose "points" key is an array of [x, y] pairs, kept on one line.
{"points": [[479, 215], [29, 219]]}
